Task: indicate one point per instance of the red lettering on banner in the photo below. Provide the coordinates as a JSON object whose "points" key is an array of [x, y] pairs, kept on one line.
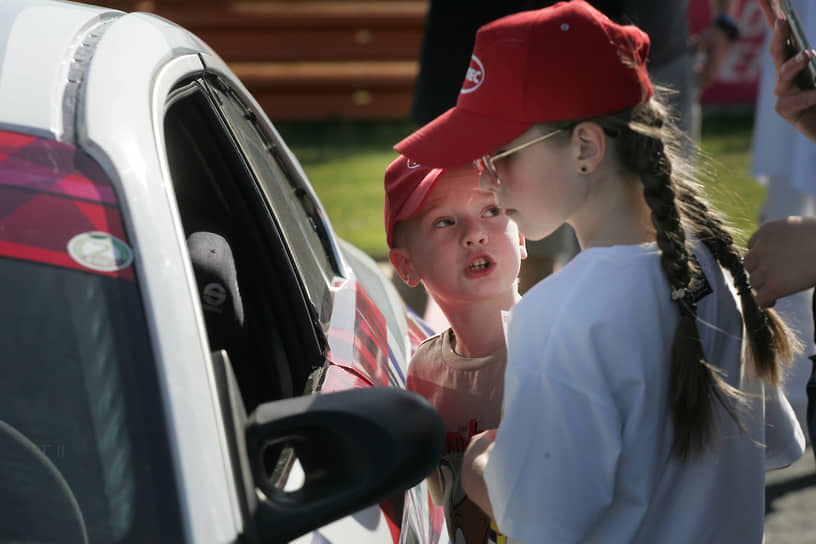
{"points": [[738, 80], [741, 66]]}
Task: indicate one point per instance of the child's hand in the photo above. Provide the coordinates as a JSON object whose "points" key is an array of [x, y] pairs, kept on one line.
{"points": [[473, 467], [781, 258]]}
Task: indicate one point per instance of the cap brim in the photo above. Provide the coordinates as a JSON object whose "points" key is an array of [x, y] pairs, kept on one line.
{"points": [[419, 195], [457, 137], [414, 202]]}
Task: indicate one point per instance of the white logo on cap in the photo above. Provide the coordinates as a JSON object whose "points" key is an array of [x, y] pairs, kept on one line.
{"points": [[474, 77], [411, 164]]}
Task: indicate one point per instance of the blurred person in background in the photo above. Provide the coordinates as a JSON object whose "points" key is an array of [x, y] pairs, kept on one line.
{"points": [[784, 161]]}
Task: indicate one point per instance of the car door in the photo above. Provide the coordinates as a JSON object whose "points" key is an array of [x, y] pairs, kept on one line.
{"points": [[292, 314]]}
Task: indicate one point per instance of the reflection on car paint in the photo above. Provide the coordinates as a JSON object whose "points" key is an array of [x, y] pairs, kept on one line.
{"points": [[358, 340], [418, 330], [44, 182], [359, 356], [53, 167]]}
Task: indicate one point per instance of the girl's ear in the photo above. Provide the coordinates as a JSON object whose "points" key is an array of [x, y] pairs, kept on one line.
{"points": [[590, 143], [401, 261], [522, 246]]}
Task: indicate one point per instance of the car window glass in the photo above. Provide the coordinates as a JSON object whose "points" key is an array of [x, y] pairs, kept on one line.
{"points": [[83, 444], [293, 203], [261, 315], [79, 385]]}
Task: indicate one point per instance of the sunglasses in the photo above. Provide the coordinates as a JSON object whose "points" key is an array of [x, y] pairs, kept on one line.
{"points": [[486, 163]]}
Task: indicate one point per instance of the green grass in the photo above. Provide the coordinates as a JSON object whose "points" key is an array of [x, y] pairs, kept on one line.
{"points": [[726, 143], [345, 162]]}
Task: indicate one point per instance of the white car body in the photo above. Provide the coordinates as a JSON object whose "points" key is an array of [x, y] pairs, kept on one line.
{"points": [[99, 80]]}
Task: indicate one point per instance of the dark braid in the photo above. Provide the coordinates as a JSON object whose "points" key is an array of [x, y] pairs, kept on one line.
{"points": [[644, 144], [694, 381], [767, 335]]}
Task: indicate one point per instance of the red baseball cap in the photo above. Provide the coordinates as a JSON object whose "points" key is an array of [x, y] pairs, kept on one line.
{"points": [[407, 186], [563, 62]]}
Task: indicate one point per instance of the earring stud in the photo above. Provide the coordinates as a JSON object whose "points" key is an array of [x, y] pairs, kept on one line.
{"points": [[583, 169]]}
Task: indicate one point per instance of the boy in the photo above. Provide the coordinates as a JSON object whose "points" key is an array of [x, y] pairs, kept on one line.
{"points": [[455, 239]]}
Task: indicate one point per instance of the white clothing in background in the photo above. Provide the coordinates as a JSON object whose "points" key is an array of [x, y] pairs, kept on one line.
{"points": [[779, 150], [583, 452], [785, 162]]}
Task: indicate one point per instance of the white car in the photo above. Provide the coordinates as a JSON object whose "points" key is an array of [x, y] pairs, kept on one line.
{"points": [[166, 270]]}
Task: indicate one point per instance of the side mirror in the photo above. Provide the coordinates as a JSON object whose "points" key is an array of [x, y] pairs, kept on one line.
{"points": [[356, 448]]}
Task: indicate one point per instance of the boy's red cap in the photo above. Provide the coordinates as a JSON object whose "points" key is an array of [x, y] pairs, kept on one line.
{"points": [[567, 61], [407, 186]]}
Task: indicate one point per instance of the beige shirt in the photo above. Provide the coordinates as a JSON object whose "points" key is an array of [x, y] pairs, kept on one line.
{"points": [[467, 393]]}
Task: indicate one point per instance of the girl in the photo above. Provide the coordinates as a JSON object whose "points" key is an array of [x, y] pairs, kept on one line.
{"points": [[629, 413]]}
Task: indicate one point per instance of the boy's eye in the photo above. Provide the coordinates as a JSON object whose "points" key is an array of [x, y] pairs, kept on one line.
{"points": [[493, 211], [443, 222]]}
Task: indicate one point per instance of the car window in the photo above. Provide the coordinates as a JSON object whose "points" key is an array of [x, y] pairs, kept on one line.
{"points": [[295, 206], [272, 336], [83, 444]]}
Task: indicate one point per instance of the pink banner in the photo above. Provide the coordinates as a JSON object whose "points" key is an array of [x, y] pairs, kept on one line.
{"points": [[739, 76]]}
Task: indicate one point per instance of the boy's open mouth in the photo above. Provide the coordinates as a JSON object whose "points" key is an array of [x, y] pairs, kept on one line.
{"points": [[479, 264]]}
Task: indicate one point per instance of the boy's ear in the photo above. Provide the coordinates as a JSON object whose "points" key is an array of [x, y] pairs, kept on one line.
{"points": [[401, 261], [523, 246], [590, 141]]}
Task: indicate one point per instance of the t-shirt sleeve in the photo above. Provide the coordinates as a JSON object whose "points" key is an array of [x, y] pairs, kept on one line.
{"points": [[415, 377], [552, 470], [784, 438]]}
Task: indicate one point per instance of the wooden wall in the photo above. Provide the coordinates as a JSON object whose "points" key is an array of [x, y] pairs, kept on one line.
{"points": [[304, 59]]}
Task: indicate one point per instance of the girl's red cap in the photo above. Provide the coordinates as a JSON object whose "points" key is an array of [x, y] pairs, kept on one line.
{"points": [[567, 61]]}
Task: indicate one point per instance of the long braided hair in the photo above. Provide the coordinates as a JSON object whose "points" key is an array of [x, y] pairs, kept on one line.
{"points": [[649, 146]]}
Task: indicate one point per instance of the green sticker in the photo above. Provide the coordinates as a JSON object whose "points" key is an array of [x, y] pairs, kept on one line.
{"points": [[100, 251]]}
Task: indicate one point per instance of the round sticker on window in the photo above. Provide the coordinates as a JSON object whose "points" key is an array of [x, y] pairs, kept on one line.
{"points": [[100, 251]]}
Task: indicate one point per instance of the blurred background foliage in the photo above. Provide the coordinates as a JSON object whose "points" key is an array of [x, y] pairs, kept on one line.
{"points": [[345, 161]]}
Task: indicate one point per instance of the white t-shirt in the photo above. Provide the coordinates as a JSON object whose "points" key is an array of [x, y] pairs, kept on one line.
{"points": [[583, 452]]}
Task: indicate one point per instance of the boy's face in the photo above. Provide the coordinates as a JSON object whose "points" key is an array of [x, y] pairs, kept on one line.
{"points": [[460, 245]]}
